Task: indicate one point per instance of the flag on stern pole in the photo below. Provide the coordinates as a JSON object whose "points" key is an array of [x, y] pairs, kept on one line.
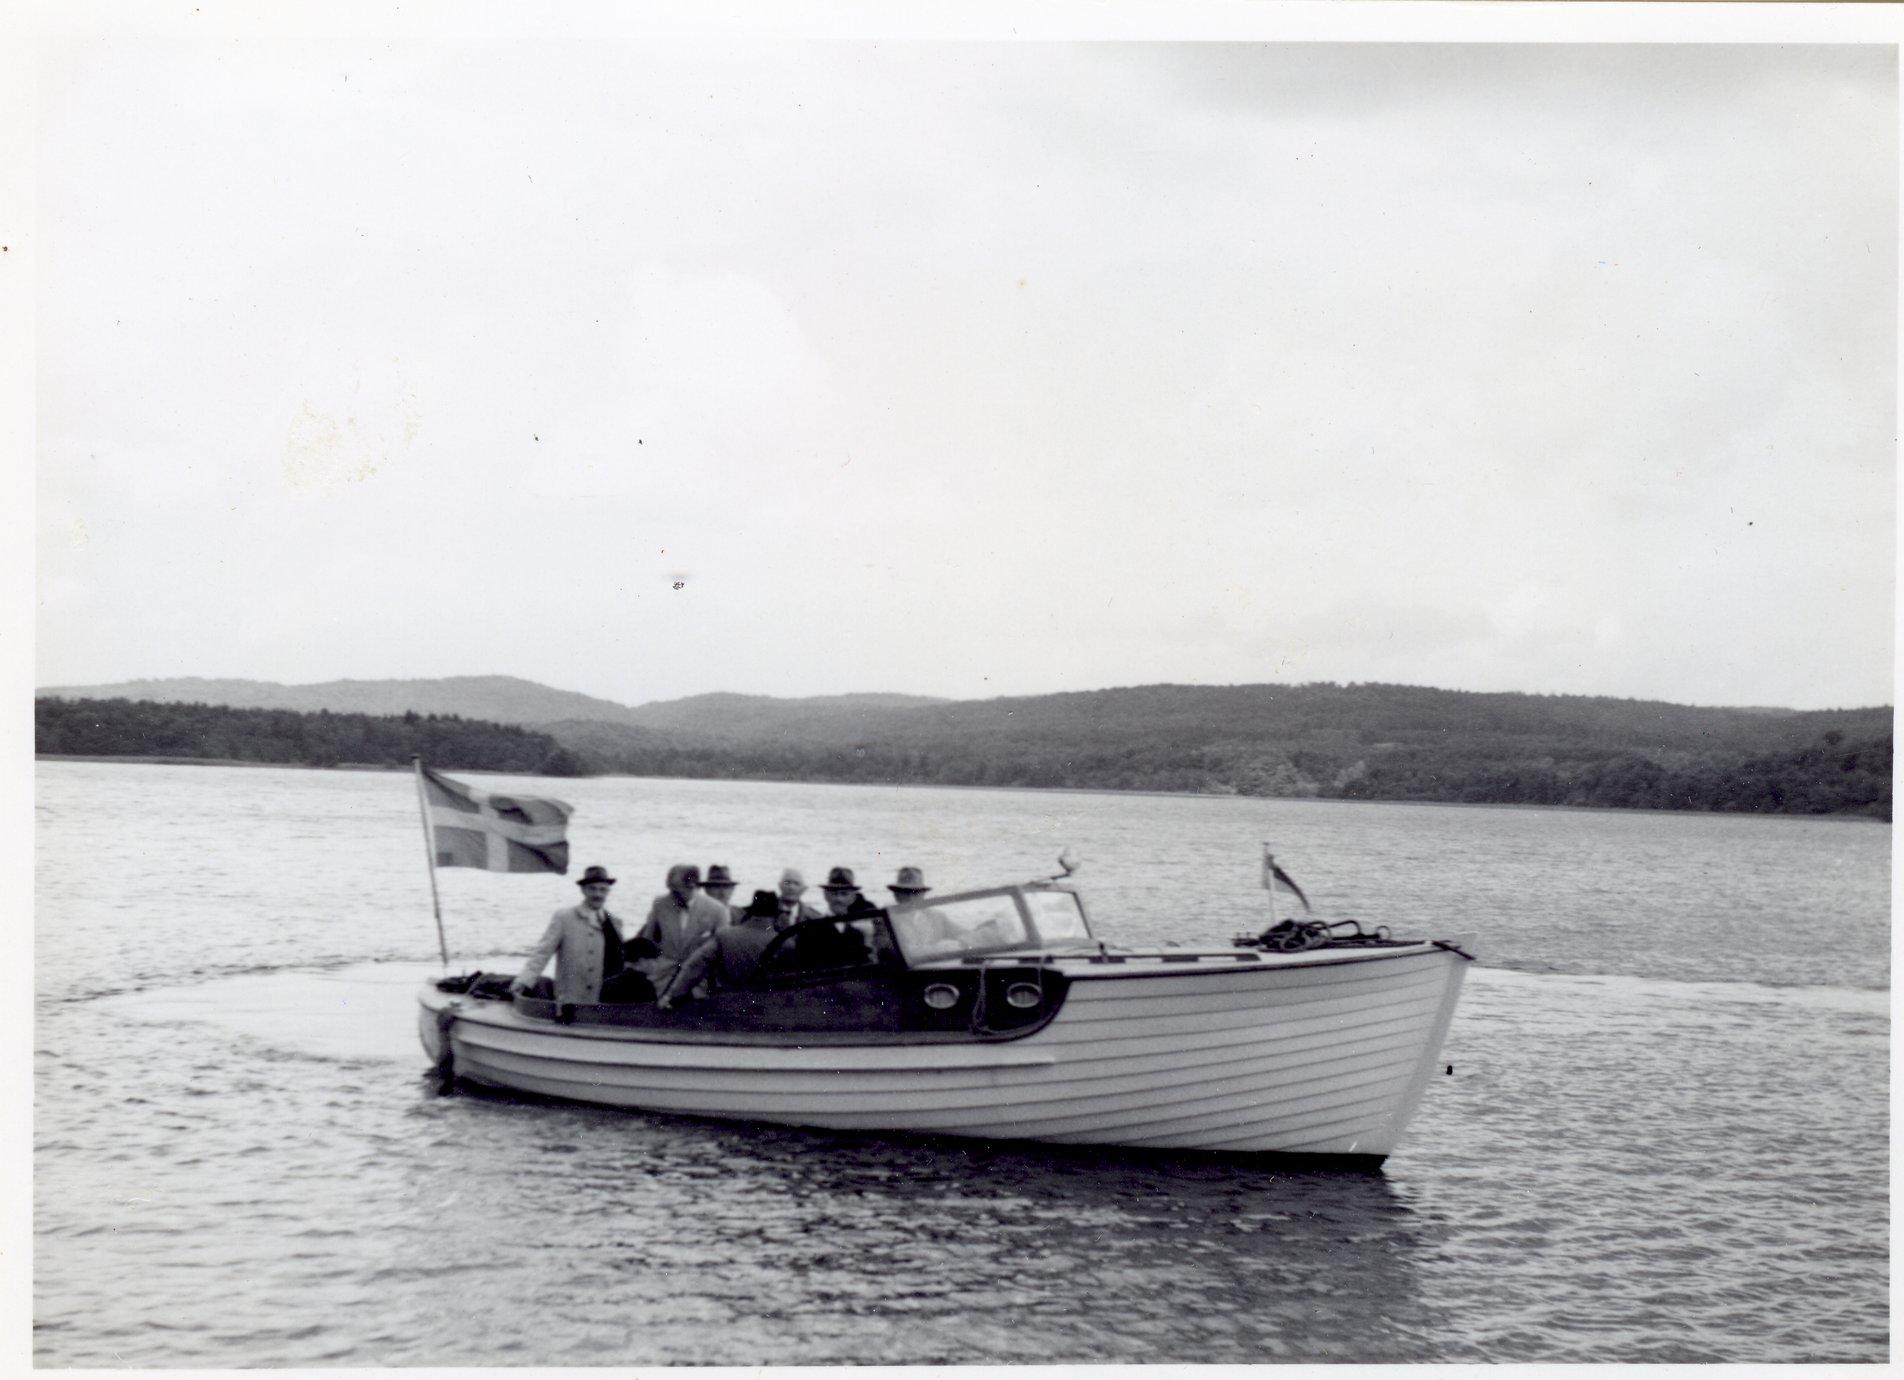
{"points": [[1274, 876], [500, 833]]}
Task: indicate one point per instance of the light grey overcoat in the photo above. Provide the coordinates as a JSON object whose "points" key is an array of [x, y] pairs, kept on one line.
{"points": [[574, 940]]}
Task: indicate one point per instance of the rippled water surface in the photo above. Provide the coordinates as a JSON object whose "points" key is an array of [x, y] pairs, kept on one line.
{"points": [[1665, 1136]]}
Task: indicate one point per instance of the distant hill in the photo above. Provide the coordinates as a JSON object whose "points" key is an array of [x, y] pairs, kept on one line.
{"points": [[1321, 716], [173, 731], [754, 718], [497, 699], [1364, 741], [1369, 742], [506, 699], [1362, 714]]}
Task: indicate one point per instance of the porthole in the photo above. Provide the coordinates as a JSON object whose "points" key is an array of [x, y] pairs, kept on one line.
{"points": [[1023, 996], [942, 996]]}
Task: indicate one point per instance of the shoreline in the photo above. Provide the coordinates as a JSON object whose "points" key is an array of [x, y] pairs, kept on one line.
{"points": [[149, 760], [164, 761]]}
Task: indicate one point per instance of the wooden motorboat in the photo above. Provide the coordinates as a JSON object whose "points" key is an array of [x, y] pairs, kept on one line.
{"points": [[998, 1014]]}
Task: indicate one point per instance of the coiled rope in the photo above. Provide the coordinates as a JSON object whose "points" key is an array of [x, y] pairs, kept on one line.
{"points": [[1295, 936]]}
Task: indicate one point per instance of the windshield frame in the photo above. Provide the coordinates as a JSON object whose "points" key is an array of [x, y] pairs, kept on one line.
{"points": [[1034, 941]]}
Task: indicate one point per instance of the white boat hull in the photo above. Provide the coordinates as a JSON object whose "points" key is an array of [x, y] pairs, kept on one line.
{"points": [[1318, 1054]]}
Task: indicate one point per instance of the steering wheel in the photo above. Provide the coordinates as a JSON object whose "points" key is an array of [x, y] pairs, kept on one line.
{"points": [[776, 950]]}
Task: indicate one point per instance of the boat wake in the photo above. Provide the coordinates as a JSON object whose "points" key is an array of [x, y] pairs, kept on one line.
{"points": [[359, 1012], [1862, 1001]]}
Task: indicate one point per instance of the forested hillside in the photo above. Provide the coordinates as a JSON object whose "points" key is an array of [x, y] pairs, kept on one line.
{"points": [[1359, 742], [141, 728], [498, 699], [1835, 774], [506, 700]]}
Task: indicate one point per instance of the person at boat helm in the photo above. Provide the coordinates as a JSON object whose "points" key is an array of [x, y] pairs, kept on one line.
{"points": [[718, 883], [909, 887], [726, 960], [926, 929], [591, 959], [677, 921]]}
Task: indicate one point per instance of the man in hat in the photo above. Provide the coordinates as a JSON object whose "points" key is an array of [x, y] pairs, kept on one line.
{"points": [[677, 922], [719, 885], [909, 887], [819, 946], [843, 896], [856, 943], [926, 931], [586, 943]]}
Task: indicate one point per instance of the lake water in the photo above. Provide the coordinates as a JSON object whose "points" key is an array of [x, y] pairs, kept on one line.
{"points": [[1665, 1137]]}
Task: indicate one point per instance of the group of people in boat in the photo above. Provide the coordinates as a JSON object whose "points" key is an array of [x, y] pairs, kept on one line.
{"points": [[696, 941]]}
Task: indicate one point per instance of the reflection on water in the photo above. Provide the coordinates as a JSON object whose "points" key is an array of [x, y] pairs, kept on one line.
{"points": [[809, 1247]]}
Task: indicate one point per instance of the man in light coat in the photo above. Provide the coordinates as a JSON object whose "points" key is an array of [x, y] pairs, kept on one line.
{"points": [[927, 931], [728, 959], [680, 918], [584, 940]]}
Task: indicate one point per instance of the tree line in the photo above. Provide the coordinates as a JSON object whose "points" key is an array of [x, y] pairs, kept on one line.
{"points": [[149, 728], [1836, 772], [1834, 775]]}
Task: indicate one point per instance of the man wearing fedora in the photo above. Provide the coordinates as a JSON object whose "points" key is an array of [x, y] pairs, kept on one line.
{"points": [[855, 943], [843, 896], [586, 943], [719, 885], [909, 887], [926, 930]]}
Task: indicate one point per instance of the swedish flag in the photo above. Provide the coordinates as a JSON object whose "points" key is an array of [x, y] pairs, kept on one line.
{"points": [[500, 833]]}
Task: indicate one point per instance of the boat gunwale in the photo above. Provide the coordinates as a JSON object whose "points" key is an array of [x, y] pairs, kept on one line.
{"points": [[1271, 963], [504, 1015]]}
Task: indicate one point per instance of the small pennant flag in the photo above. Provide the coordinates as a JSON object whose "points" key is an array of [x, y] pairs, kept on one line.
{"points": [[1274, 876], [500, 833]]}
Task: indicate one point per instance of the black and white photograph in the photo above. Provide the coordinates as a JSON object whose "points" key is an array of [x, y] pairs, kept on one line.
{"points": [[1032, 685]]}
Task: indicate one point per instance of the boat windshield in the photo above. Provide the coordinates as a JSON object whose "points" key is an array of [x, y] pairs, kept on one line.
{"points": [[1057, 916], [999, 922]]}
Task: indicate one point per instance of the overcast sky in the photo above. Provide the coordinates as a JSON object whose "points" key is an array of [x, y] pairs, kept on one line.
{"points": [[660, 367]]}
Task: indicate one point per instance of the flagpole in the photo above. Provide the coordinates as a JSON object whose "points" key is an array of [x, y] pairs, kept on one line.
{"points": [[1269, 879], [429, 853]]}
